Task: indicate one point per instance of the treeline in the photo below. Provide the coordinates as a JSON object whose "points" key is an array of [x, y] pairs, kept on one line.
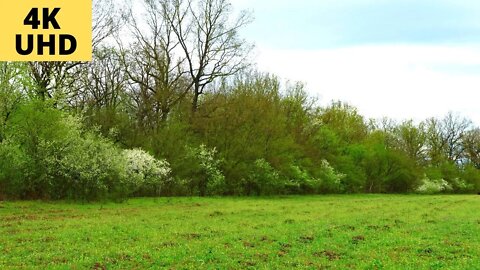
{"points": [[177, 110]]}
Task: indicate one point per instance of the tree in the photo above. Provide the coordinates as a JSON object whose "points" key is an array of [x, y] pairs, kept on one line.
{"points": [[471, 146], [436, 144], [57, 79], [412, 140], [157, 73], [13, 84], [108, 18], [103, 82], [444, 138], [209, 40], [454, 129], [345, 120]]}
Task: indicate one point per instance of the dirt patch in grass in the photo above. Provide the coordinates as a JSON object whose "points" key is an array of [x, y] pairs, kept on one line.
{"points": [[306, 239], [248, 244], [98, 266], [329, 254], [358, 239], [289, 221], [191, 236], [284, 249], [379, 228], [216, 214]]}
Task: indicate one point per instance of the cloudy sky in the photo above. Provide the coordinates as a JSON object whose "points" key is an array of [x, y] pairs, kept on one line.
{"points": [[396, 58]]}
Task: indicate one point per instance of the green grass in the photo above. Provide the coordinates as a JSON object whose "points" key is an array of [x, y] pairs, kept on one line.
{"points": [[314, 232]]}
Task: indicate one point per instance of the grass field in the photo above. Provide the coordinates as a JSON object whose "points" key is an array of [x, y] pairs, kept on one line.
{"points": [[314, 232]]}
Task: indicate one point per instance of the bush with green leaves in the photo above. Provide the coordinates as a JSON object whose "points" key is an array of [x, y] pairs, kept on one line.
{"points": [[471, 175], [331, 179], [49, 155], [263, 179], [301, 181], [459, 185], [12, 158], [201, 172], [54, 158], [92, 168]]}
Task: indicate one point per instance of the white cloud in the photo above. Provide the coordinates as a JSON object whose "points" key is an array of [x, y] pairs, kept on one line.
{"points": [[398, 81]]}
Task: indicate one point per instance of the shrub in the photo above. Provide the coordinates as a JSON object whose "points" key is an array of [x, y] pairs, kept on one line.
{"points": [[263, 179], [146, 174], [12, 162], [301, 181], [49, 155], [201, 171], [433, 186], [92, 168], [472, 178], [459, 185], [331, 179]]}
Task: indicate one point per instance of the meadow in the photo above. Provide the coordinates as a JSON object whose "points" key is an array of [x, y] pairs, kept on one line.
{"points": [[303, 232]]}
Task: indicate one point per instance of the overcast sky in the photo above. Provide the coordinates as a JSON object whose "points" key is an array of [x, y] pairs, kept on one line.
{"points": [[396, 58]]}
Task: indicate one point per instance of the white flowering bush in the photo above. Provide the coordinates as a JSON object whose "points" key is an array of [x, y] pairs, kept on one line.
{"points": [[51, 156], [88, 167], [434, 186], [145, 172]]}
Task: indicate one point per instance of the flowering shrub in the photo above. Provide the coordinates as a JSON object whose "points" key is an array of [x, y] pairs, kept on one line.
{"points": [[94, 169], [50, 155], [433, 186], [145, 172]]}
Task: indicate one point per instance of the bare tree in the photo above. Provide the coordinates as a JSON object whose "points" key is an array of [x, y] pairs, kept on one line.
{"points": [[58, 78], [108, 18], [445, 136], [209, 40], [51, 78], [103, 82], [155, 70], [454, 129]]}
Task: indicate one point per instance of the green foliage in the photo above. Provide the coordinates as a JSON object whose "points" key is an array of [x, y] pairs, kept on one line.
{"points": [[251, 135], [345, 121], [175, 111], [301, 182], [331, 179], [202, 174], [48, 154], [471, 176], [91, 168], [263, 179]]}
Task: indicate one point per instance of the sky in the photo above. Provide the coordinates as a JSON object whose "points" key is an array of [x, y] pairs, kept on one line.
{"points": [[403, 59]]}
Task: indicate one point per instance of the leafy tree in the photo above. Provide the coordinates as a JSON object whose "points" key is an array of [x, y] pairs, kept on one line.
{"points": [[471, 147]]}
